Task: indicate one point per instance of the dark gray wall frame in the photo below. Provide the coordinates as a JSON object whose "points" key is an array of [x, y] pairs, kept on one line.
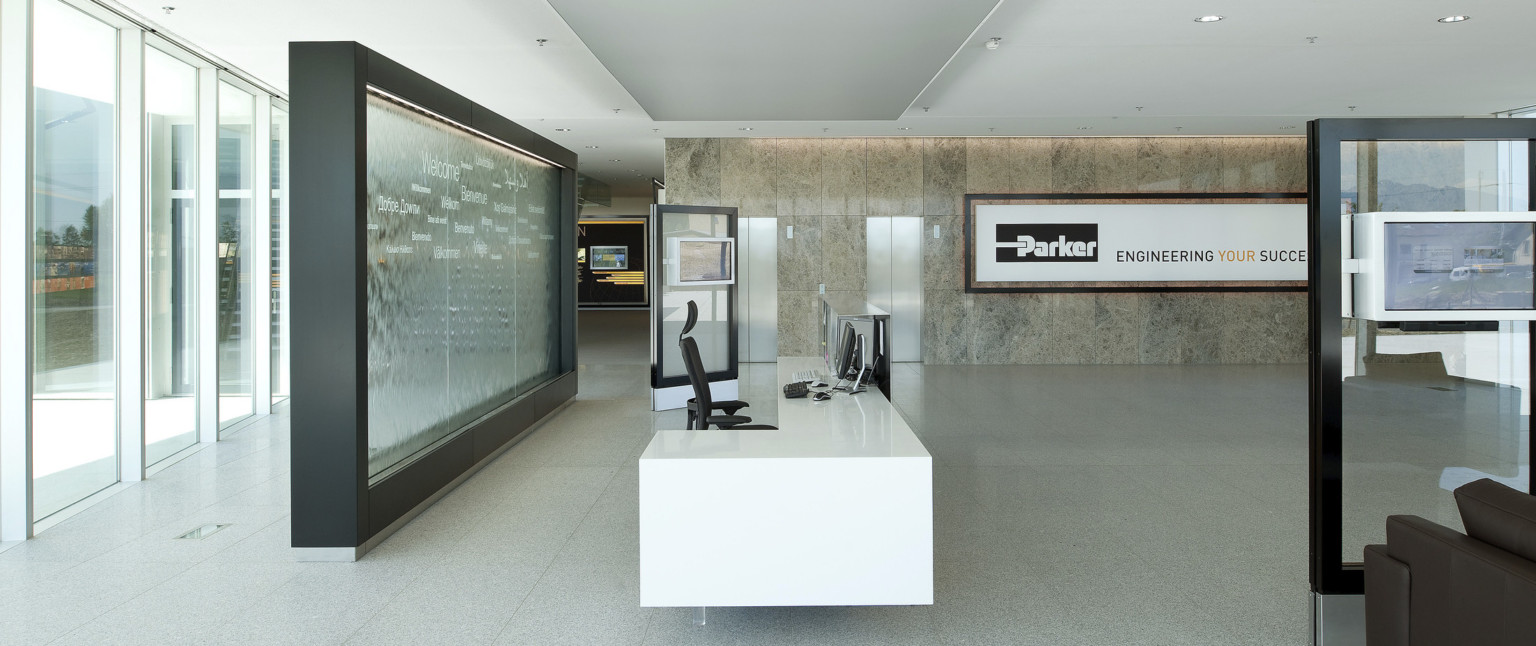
{"points": [[1329, 574], [333, 504], [968, 217]]}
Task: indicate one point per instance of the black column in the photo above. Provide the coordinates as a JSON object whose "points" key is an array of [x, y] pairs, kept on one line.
{"points": [[328, 198]]}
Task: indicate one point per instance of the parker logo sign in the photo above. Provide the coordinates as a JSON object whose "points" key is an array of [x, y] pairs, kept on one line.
{"points": [[1048, 243], [1137, 243]]}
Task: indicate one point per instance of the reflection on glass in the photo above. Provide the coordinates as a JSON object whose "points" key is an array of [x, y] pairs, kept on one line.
{"points": [[74, 433], [1427, 410], [170, 296], [463, 275], [279, 161], [237, 125]]}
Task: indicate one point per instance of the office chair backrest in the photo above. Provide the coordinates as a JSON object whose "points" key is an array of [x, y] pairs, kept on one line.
{"points": [[693, 319], [698, 378]]}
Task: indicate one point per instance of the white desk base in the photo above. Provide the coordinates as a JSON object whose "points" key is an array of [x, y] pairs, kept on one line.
{"points": [[835, 508]]}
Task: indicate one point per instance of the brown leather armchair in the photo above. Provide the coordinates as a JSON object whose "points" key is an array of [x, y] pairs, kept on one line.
{"points": [[1431, 585]]}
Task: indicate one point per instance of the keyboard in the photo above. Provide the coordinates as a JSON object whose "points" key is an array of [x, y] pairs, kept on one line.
{"points": [[812, 376]]}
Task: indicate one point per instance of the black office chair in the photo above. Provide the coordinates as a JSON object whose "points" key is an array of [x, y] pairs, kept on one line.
{"points": [[694, 411], [701, 405]]}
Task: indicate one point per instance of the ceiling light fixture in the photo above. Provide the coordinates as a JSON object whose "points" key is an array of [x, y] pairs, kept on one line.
{"points": [[746, 129], [994, 42], [592, 147], [562, 129], [615, 160], [1209, 18], [168, 9], [541, 41], [1454, 19], [1287, 127], [902, 128], [1085, 127]]}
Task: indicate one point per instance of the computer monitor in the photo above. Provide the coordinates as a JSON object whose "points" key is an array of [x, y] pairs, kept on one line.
{"points": [[845, 352]]}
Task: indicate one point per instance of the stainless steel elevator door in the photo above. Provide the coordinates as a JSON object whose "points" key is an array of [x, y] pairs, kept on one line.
{"points": [[757, 291], [895, 283]]}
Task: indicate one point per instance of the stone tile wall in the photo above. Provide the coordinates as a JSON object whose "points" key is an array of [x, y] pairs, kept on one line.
{"points": [[825, 187]]}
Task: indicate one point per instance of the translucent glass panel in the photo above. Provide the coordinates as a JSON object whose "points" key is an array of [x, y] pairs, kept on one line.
{"points": [[74, 433], [1428, 410], [236, 173], [463, 279], [279, 286], [712, 332], [170, 287]]}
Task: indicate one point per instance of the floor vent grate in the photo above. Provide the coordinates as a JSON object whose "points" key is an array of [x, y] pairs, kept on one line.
{"points": [[203, 532]]}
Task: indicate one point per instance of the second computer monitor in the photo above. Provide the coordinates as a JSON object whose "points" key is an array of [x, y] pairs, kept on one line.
{"points": [[846, 350]]}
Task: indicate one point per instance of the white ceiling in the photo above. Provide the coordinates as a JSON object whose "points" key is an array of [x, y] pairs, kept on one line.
{"points": [[1065, 67]]}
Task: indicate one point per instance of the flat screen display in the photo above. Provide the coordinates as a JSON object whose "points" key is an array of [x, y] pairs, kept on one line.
{"points": [[705, 261], [1455, 266], [463, 278], [612, 258]]}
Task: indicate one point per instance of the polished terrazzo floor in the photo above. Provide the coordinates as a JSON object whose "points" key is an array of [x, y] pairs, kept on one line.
{"points": [[1073, 505]]}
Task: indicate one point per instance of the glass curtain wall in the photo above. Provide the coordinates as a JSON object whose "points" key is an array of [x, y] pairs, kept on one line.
{"points": [[170, 289], [279, 210], [1427, 410], [74, 433], [236, 179]]}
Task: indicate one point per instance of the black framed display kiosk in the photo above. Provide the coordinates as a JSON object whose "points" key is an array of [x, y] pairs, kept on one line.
{"points": [[1420, 306], [434, 305], [694, 260]]}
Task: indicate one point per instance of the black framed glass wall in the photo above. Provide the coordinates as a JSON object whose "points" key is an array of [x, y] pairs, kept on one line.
{"points": [[278, 161], [1431, 390]]}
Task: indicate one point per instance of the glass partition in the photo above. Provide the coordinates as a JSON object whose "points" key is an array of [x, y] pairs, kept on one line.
{"points": [[236, 160], [279, 285], [170, 286], [1430, 406], [681, 233], [463, 276], [74, 382]]}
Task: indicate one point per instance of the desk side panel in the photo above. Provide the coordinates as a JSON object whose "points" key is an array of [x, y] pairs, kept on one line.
{"points": [[786, 532]]}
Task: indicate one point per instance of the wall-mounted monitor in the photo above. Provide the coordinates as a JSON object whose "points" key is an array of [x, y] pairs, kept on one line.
{"points": [[701, 261], [1444, 266], [609, 258]]}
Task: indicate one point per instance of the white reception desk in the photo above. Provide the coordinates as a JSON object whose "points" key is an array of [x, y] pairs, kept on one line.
{"points": [[834, 508]]}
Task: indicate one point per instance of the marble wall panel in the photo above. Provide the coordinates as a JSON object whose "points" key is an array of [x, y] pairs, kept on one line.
{"points": [[842, 177], [947, 327], [894, 176], [943, 257], [800, 253], [1030, 161], [1200, 164], [799, 312], [1291, 171], [844, 252], [944, 176], [693, 171], [800, 180], [1115, 164], [987, 165], [748, 176], [1271, 328], [1011, 328], [1095, 329], [1072, 165], [1158, 163]]}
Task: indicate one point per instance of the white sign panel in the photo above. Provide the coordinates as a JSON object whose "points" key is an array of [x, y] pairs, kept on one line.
{"points": [[1140, 242]]}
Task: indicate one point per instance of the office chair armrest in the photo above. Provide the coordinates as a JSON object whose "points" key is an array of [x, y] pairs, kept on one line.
{"points": [[730, 407]]}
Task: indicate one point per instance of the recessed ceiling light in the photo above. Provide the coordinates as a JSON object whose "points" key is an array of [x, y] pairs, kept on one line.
{"points": [[746, 129], [1455, 19], [1287, 127], [615, 160], [562, 129], [1085, 127], [902, 128], [994, 42], [168, 9], [1209, 18], [592, 147]]}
